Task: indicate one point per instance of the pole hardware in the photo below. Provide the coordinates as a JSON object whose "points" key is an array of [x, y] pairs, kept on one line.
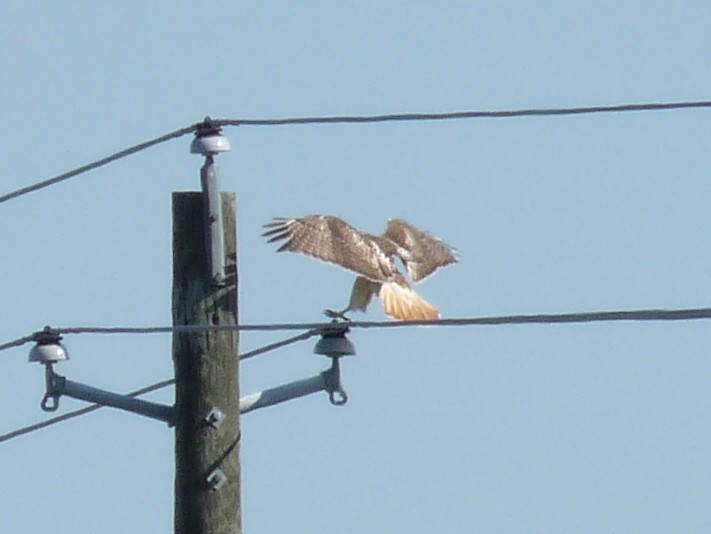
{"points": [[49, 350], [335, 345], [208, 139], [215, 418], [216, 479], [209, 142], [332, 379]]}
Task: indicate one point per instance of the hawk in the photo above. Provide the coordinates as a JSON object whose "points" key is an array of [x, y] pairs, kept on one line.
{"points": [[371, 257]]}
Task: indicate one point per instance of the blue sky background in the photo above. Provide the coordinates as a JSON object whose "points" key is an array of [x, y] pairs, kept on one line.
{"points": [[568, 428]]}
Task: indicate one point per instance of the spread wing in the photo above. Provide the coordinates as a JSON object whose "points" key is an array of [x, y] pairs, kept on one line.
{"points": [[333, 240], [421, 252]]}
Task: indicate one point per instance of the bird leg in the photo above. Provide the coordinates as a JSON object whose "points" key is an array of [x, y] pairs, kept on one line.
{"points": [[361, 295]]}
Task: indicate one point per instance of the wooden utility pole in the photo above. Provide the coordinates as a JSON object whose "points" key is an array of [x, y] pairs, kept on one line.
{"points": [[207, 477]]}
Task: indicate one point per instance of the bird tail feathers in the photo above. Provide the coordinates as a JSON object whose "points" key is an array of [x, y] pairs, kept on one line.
{"points": [[404, 304]]}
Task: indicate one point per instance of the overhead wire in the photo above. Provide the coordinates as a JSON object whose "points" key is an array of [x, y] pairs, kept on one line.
{"points": [[313, 329], [656, 314], [279, 344], [492, 114], [76, 413], [16, 342], [553, 318], [98, 163], [361, 119], [681, 314], [147, 389]]}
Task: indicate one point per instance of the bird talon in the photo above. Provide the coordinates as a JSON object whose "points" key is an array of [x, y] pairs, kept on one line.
{"points": [[333, 314]]}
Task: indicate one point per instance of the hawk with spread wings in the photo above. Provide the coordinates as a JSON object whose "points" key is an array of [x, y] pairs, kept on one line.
{"points": [[371, 257]]}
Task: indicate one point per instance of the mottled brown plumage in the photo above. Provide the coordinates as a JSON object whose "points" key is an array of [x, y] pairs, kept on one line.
{"points": [[371, 257]]}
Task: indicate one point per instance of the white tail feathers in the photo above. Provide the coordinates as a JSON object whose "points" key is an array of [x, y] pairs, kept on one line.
{"points": [[402, 303]]}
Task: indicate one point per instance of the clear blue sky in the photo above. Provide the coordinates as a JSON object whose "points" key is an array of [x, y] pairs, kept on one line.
{"points": [[571, 428]]}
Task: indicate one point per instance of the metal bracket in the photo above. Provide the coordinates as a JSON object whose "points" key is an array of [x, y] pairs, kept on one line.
{"points": [[54, 384], [212, 201], [216, 479], [215, 417], [336, 394], [57, 385], [50, 402], [335, 344], [208, 142]]}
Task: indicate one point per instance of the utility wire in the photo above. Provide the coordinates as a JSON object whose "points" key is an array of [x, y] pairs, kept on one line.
{"points": [[76, 413], [278, 344], [684, 314], [98, 163], [16, 343], [549, 318], [495, 114], [153, 387], [553, 318], [313, 329], [355, 119]]}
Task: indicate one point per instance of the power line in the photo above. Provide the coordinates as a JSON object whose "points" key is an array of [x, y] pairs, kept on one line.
{"points": [[313, 329], [684, 314], [361, 119], [76, 413], [153, 387], [17, 342], [98, 163], [546, 318], [494, 114], [279, 344], [553, 318]]}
